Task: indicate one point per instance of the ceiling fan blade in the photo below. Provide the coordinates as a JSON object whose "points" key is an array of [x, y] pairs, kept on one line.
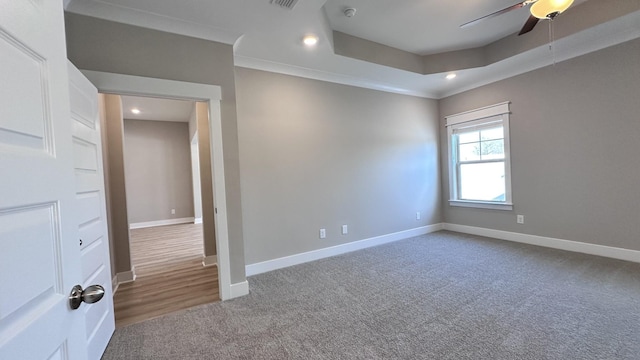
{"points": [[499, 12], [529, 25]]}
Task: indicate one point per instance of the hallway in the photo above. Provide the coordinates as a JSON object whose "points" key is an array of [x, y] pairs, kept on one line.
{"points": [[170, 275]]}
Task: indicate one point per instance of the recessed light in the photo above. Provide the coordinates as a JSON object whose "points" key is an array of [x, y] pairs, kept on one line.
{"points": [[310, 40], [451, 76], [135, 111]]}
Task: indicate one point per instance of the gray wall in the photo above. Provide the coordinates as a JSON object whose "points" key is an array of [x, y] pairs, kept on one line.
{"points": [[575, 146], [107, 176], [206, 179], [157, 156], [202, 173], [113, 145], [101, 45], [315, 154]]}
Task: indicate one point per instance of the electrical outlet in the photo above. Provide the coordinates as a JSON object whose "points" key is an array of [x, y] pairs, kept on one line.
{"points": [[345, 230], [417, 215], [323, 233], [173, 211], [520, 219]]}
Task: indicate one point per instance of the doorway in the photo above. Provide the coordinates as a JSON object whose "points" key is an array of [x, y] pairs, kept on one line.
{"points": [[164, 207], [138, 86], [149, 142], [211, 94]]}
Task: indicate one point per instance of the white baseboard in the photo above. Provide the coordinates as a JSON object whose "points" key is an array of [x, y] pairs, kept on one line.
{"points": [[147, 224], [209, 260], [114, 284], [569, 245], [197, 220], [269, 265], [239, 289], [126, 276]]}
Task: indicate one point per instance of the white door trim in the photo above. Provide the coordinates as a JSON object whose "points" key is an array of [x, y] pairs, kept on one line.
{"points": [[143, 86]]}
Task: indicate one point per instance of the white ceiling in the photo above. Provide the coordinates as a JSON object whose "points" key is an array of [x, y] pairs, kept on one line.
{"points": [[424, 27], [268, 37], [157, 109]]}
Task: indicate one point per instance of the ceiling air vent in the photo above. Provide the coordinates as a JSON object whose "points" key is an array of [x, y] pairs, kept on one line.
{"points": [[289, 4]]}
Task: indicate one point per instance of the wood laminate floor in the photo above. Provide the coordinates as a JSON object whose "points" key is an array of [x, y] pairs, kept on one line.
{"points": [[169, 274]]}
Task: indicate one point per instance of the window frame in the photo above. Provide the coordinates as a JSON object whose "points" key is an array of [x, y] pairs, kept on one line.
{"points": [[498, 113]]}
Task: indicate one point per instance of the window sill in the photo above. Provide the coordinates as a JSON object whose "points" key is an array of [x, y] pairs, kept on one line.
{"points": [[481, 204]]}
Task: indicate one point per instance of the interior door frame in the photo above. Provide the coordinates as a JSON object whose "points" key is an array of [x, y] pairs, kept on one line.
{"points": [[120, 84]]}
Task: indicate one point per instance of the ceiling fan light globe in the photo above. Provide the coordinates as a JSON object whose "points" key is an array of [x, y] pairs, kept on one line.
{"points": [[544, 9]]}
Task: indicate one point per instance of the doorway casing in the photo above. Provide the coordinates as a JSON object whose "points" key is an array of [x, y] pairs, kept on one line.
{"points": [[142, 86]]}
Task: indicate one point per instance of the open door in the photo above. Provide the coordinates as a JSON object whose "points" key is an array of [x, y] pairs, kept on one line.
{"points": [[40, 252], [91, 209]]}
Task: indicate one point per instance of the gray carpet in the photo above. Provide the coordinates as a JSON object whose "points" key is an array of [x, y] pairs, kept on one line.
{"points": [[438, 296]]}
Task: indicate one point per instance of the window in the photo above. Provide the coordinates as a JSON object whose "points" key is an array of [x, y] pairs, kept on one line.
{"points": [[479, 162]]}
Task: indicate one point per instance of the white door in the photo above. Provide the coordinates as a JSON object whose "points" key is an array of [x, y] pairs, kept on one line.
{"points": [[92, 221], [39, 251]]}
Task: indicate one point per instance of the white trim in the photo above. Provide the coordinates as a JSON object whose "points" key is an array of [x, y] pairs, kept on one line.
{"points": [[147, 224], [210, 260], [220, 201], [239, 289], [269, 265], [126, 276], [568, 245], [497, 113], [248, 62], [114, 284], [481, 204], [480, 113], [142, 86], [197, 220]]}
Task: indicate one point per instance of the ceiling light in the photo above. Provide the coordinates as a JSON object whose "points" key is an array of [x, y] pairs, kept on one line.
{"points": [[135, 111], [549, 9], [310, 40], [451, 76]]}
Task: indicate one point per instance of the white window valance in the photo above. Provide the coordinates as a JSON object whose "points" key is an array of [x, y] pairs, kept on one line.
{"points": [[477, 114]]}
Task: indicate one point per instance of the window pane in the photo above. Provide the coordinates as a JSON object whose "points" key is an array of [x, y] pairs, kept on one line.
{"points": [[492, 149], [482, 181], [492, 134], [469, 152], [469, 137]]}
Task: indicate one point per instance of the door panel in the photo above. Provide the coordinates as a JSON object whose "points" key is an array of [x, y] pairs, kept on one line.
{"points": [[90, 232], [92, 220], [31, 232], [39, 252], [88, 207], [85, 155], [23, 127]]}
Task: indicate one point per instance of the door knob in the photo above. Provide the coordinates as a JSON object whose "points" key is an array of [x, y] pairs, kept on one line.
{"points": [[89, 295]]}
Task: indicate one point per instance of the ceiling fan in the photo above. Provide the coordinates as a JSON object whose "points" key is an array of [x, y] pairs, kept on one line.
{"points": [[540, 9]]}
